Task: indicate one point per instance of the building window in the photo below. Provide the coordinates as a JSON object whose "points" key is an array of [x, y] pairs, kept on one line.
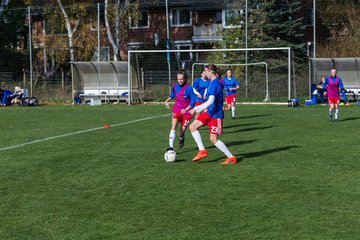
{"points": [[218, 17], [184, 57], [180, 17], [233, 18], [143, 22]]}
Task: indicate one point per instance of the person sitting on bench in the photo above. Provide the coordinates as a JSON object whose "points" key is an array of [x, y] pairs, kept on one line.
{"points": [[5, 97]]}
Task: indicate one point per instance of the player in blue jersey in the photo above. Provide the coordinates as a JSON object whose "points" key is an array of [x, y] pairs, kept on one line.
{"points": [[231, 84], [199, 86], [5, 97], [213, 117]]}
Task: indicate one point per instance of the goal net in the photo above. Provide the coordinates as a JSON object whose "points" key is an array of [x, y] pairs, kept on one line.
{"points": [[263, 73], [257, 84]]}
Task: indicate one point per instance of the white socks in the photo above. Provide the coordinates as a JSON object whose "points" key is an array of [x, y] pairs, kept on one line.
{"points": [[233, 111], [222, 147], [172, 138], [197, 137], [336, 114], [219, 144]]}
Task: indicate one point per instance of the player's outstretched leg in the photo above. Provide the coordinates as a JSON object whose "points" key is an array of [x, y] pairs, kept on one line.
{"points": [[231, 159]]}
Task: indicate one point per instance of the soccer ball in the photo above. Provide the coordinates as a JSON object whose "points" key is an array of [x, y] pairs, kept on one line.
{"points": [[170, 156]]}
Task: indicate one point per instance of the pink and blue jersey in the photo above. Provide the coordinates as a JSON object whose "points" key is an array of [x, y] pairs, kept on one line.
{"points": [[230, 83], [333, 85], [215, 89], [201, 85], [183, 95]]}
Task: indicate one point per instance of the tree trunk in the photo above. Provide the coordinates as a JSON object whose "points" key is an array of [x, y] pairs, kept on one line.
{"points": [[109, 34], [70, 30]]}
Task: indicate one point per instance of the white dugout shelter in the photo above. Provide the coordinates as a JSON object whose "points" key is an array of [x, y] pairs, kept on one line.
{"points": [[347, 68], [101, 81]]}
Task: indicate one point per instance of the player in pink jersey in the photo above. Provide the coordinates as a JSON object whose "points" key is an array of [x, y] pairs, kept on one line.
{"points": [[184, 101], [333, 83]]}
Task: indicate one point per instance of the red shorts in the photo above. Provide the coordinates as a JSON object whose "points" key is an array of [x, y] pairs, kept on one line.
{"points": [[198, 104], [183, 118], [231, 99], [333, 100], [214, 124]]}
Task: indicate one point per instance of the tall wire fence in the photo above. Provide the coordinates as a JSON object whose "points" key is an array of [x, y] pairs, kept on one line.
{"points": [[35, 52]]}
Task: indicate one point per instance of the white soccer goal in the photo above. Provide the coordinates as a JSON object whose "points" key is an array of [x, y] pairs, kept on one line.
{"points": [[155, 70], [234, 65]]}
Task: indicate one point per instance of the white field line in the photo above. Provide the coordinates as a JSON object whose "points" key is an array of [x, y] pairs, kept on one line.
{"points": [[79, 132]]}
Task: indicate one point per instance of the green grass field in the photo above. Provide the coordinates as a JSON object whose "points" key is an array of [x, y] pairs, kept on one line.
{"points": [[63, 176]]}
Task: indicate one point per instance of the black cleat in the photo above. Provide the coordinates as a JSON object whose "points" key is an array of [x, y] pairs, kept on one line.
{"points": [[170, 148], [330, 117], [181, 142]]}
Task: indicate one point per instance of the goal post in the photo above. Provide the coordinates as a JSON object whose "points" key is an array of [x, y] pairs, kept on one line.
{"points": [[150, 69]]}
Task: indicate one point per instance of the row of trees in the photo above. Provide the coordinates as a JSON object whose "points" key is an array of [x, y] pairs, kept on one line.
{"points": [[341, 19], [73, 15], [70, 27]]}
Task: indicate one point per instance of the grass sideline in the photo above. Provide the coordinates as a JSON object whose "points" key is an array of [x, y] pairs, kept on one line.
{"points": [[297, 177]]}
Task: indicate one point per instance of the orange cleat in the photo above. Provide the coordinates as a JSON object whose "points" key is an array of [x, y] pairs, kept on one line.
{"points": [[226, 108], [230, 160], [201, 154]]}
